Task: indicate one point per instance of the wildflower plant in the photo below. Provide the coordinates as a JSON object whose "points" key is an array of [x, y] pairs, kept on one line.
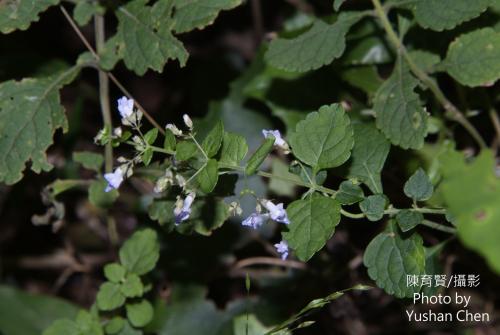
{"points": [[329, 161]]}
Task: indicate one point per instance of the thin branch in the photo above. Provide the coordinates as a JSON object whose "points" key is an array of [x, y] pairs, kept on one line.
{"points": [[496, 122], [269, 261]]}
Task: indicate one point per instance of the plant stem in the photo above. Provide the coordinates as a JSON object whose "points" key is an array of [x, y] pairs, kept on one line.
{"points": [[199, 146], [437, 226], [496, 122], [452, 111]]}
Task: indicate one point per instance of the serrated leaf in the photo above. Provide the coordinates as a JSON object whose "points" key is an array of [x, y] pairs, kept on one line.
{"points": [[399, 112], [140, 313], [324, 139], [89, 160], [391, 256], [258, 157], [145, 32], [208, 176], [109, 297], [349, 193], [211, 144], [368, 156], [419, 186], [84, 10], [472, 194], [97, 195], [447, 14], [20, 14], [30, 113], [197, 14], [408, 219], [312, 223], [114, 272], [185, 150], [234, 149], [373, 206], [140, 252], [132, 286], [318, 46], [472, 58]]}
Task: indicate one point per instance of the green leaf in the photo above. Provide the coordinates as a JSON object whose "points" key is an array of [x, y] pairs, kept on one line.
{"points": [[280, 186], [114, 272], [398, 109], [312, 223], [132, 286], [447, 14], [365, 78], [20, 14], [185, 150], [84, 10], [337, 4], [425, 60], [129, 330], [98, 197], [368, 156], [151, 135], [109, 297], [197, 14], [408, 219], [472, 58], [89, 160], [88, 324], [115, 325], [234, 149], [207, 214], [433, 266], [162, 211], [145, 34], [349, 193], [324, 139], [391, 256], [248, 325], [140, 313], [111, 53], [140, 252], [208, 176], [373, 206], [24, 313], [419, 186], [472, 194], [63, 327], [318, 46], [211, 144], [259, 156], [30, 113], [169, 143], [146, 156]]}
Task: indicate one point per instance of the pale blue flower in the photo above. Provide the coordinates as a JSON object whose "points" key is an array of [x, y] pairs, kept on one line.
{"points": [[114, 179], [255, 220], [282, 248], [182, 209], [125, 107], [278, 140], [277, 212]]}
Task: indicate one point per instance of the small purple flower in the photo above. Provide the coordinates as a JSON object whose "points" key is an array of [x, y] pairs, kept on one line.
{"points": [[278, 140], [183, 208], [114, 179], [282, 248], [125, 107], [255, 220], [277, 212]]}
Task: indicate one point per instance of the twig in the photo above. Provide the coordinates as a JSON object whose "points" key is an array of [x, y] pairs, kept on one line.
{"points": [[496, 123], [269, 261]]}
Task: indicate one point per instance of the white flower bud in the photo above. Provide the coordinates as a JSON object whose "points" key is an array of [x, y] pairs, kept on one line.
{"points": [[187, 121], [174, 129]]}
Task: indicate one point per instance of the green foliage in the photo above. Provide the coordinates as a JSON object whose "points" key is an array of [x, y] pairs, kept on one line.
{"points": [[256, 160], [324, 139], [110, 296], [477, 213], [208, 176], [84, 11], [30, 114], [97, 195], [349, 193], [20, 14], [234, 149], [472, 58], [408, 219], [419, 186], [399, 111], [114, 272], [140, 253], [390, 256], [368, 156], [373, 206], [139, 313], [89, 160], [211, 144], [317, 47], [185, 150], [447, 14], [312, 223]]}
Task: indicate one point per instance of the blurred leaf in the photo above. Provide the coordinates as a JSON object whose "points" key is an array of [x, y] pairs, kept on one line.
{"points": [[447, 14], [208, 176], [282, 187], [399, 111], [132, 286], [207, 216], [109, 297], [20, 14], [367, 50], [84, 11], [31, 113], [324, 139], [365, 78], [139, 313], [211, 144], [317, 47], [97, 195], [425, 60], [391, 256], [234, 149], [185, 150], [162, 211], [140, 252], [337, 4], [408, 219], [432, 266], [373, 206], [255, 161], [472, 58], [114, 272], [368, 156], [248, 325], [89, 160], [115, 325], [418, 186], [23, 313], [197, 14], [312, 223]]}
